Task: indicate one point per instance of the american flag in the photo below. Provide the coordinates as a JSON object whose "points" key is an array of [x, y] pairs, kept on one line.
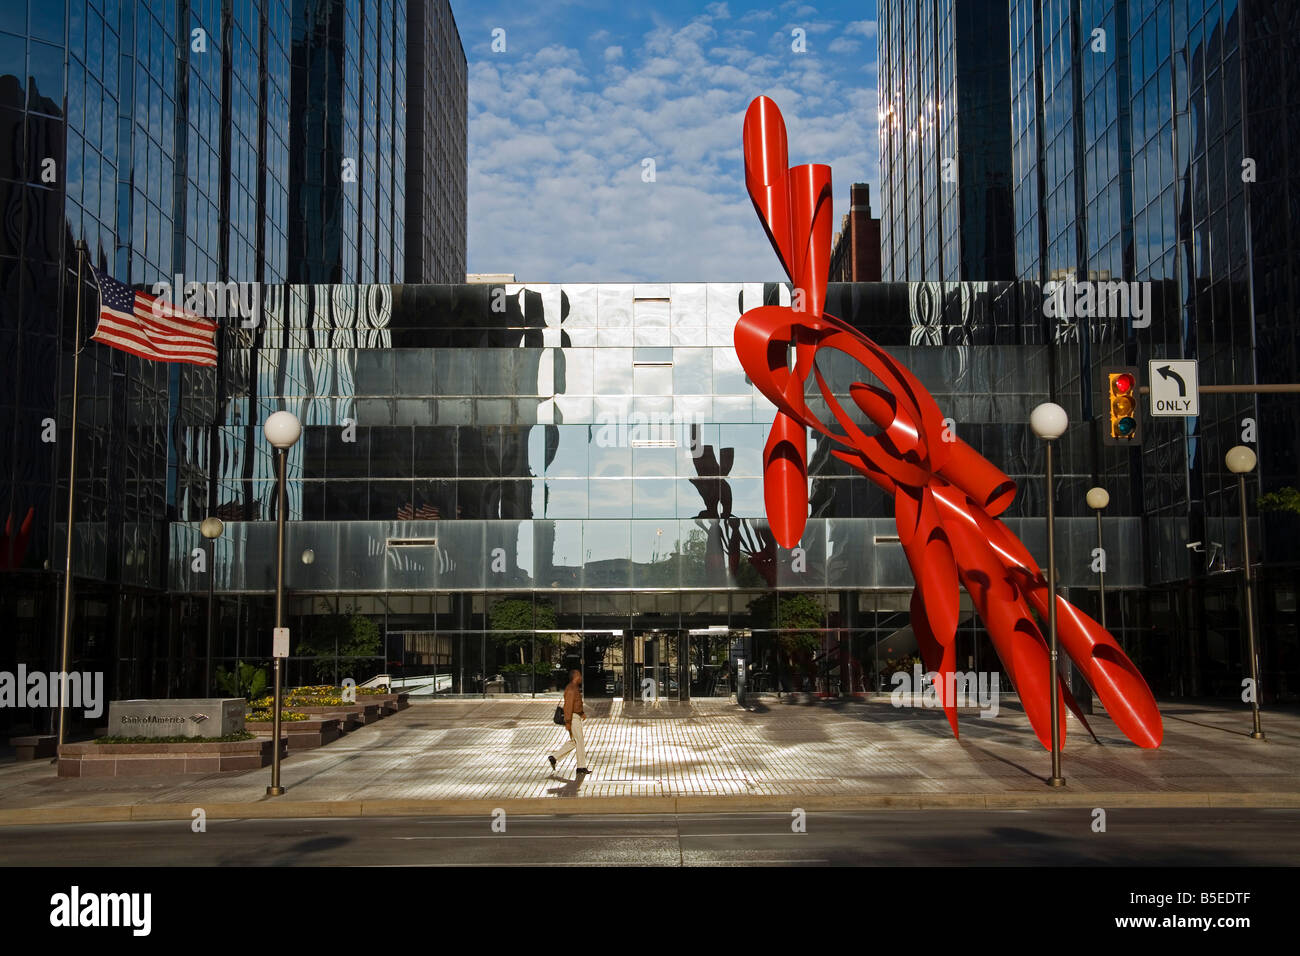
{"points": [[130, 321]]}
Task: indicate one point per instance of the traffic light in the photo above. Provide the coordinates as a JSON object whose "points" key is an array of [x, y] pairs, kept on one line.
{"points": [[1124, 426]]}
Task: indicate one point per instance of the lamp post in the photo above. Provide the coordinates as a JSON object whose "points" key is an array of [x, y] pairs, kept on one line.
{"points": [[1049, 422], [211, 529], [1240, 461], [282, 430], [1098, 499], [82, 252], [308, 558]]}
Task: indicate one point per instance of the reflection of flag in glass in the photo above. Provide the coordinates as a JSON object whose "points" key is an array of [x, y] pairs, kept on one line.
{"points": [[423, 513], [233, 510], [151, 327]]}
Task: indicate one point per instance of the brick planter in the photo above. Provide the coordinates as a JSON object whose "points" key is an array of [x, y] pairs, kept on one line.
{"points": [[35, 747], [388, 703], [300, 734], [145, 759], [366, 713]]}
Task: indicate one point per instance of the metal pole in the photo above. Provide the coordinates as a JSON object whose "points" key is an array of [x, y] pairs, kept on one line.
{"points": [[1056, 780], [1257, 733], [275, 790], [72, 497], [1272, 389], [212, 574], [1101, 575]]}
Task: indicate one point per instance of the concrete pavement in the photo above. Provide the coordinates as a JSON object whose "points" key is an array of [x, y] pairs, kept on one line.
{"points": [[472, 756], [1234, 837]]}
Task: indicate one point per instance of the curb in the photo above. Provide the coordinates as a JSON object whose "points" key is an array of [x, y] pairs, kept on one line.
{"points": [[570, 806]]}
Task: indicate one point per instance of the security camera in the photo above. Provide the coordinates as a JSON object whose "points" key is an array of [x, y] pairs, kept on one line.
{"points": [[1216, 554]]}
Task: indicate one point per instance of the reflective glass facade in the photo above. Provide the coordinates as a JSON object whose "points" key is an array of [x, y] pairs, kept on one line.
{"points": [[945, 142], [586, 460], [1138, 137], [348, 147], [161, 132], [437, 144], [1132, 126]]}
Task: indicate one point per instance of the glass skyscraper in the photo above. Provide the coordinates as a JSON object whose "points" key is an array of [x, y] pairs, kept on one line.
{"points": [[945, 142], [1147, 143], [165, 133], [437, 144], [378, 143]]}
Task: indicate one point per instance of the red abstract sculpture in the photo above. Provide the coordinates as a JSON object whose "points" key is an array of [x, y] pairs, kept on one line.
{"points": [[947, 496]]}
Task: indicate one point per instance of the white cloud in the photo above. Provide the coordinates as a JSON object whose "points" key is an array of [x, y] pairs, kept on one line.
{"points": [[866, 28], [843, 45], [557, 141]]}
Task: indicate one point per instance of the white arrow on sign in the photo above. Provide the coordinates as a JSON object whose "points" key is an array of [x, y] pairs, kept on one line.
{"points": [[1173, 384]]}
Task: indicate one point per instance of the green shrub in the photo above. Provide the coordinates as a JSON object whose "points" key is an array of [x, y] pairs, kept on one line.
{"points": [[1284, 499], [228, 738], [244, 681]]}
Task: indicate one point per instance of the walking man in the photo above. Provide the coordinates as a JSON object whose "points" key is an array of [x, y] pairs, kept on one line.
{"points": [[573, 708]]}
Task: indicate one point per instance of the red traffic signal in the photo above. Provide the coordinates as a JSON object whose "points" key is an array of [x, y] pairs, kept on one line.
{"points": [[1123, 427]]}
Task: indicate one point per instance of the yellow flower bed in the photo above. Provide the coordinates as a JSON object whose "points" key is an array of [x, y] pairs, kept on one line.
{"points": [[268, 716]]}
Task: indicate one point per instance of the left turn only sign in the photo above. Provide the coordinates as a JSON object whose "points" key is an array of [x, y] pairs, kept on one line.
{"points": [[1173, 384]]}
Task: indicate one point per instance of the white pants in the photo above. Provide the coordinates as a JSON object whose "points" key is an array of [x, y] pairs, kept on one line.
{"points": [[574, 741]]}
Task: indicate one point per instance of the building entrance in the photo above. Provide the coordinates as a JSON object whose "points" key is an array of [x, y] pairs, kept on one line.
{"points": [[680, 664], [653, 662]]}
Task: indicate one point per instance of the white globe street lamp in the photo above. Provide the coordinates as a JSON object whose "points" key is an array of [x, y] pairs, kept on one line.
{"points": [[211, 529], [1241, 461], [282, 430], [1098, 499], [1049, 422]]}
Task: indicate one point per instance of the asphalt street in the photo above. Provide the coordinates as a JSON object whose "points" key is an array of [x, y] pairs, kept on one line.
{"points": [[1056, 837]]}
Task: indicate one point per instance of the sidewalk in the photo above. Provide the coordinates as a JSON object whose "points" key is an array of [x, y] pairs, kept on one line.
{"points": [[446, 757]]}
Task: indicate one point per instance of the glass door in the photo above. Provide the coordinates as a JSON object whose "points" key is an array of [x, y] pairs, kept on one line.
{"points": [[653, 664], [710, 670], [602, 674]]}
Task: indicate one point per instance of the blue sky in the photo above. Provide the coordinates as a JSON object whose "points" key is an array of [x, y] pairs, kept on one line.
{"points": [[561, 121]]}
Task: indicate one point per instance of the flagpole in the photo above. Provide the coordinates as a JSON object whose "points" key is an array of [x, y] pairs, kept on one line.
{"points": [[72, 497]]}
